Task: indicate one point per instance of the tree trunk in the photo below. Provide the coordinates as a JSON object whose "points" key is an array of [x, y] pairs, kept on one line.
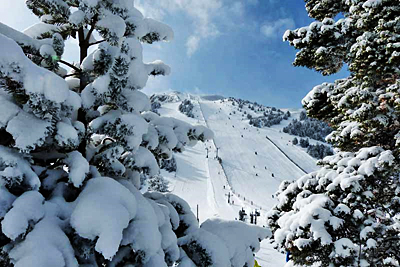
{"points": [[84, 46]]}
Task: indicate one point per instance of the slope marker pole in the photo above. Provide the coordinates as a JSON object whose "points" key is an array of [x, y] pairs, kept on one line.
{"points": [[197, 212]]}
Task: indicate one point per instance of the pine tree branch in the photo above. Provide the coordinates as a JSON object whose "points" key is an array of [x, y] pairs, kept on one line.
{"points": [[92, 27], [69, 75], [98, 42], [107, 139], [70, 65], [71, 4]]}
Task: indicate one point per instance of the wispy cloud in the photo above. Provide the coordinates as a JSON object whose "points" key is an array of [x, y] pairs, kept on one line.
{"points": [[276, 29], [203, 15], [192, 44]]}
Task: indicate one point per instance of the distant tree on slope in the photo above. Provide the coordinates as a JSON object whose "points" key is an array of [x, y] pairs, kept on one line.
{"points": [[295, 141], [307, 127], [158, 183], [74, 144], [348, 212], [186, 107]]}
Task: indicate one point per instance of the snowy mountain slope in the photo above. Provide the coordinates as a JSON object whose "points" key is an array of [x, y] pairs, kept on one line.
{"points": [[252, 167], [248, 160]]}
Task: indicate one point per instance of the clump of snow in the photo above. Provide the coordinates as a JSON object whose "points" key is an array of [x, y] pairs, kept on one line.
{"points": [[101, 84], [165, 200], [6, 201], [113, 23], [39, 129], [10, 158], [21, 38], [344, 247], [158, 67], [104, 209], [136, 126], [138, 74], [78, 168], [47, 51], [36, 80], [242, 240], [136, 100], [164, 31], [26, 208], [66, 134], [142, 158], [45, 245], [36, 30], [214, 247], [77, 17], [8, 109], [142, 234]]}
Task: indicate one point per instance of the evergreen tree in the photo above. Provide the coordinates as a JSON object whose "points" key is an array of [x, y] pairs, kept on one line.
{"points": [[347, 213], [75, 143], [158, 183], [186, 107], [304, 143], [169, 164], [303, 115], [295, 141]]}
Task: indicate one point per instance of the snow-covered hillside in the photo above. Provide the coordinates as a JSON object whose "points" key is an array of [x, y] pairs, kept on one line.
{"points": [[254, 162]]}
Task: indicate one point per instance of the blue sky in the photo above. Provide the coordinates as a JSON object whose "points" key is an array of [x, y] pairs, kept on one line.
{"points": [[227, 47]]}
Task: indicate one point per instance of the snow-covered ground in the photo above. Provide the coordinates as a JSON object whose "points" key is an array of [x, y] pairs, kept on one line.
{"points": [[252, 167]]}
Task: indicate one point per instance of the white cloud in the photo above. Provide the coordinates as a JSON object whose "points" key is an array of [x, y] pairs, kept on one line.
{"points": [[192, 44], [202, 14], [277, 28]]}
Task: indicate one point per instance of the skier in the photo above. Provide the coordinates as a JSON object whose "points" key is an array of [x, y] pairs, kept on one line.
{"points": [[241, 215]]}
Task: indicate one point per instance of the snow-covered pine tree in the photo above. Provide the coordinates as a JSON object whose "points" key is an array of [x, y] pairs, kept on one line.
{"points": [[158, 183], [73, 145], [348, 212]]}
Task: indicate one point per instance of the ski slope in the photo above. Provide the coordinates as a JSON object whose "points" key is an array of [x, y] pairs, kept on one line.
{"points": [[252, 167]]}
